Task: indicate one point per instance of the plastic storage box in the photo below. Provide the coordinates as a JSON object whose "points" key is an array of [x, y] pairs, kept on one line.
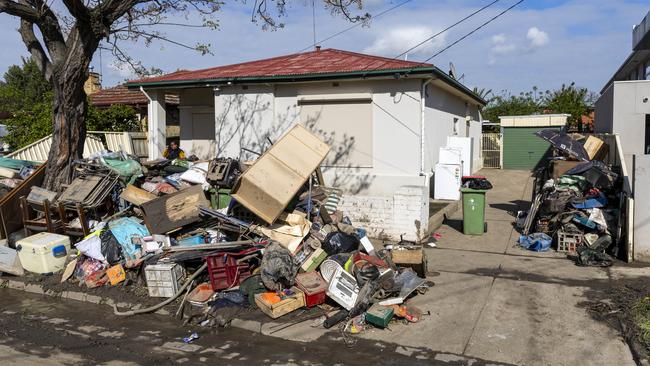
{"points": [[43, 252], [568, 242], [314, 287], [164, 280]]}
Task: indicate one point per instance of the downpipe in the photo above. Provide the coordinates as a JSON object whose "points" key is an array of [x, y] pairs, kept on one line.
{"points": [[423, 96]]}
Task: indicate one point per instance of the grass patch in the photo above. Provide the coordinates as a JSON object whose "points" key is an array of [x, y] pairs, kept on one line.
{"points": [[640, 312]]}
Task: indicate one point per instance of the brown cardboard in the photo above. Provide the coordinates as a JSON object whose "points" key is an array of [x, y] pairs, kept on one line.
{"points": [[136, 196], [596, 148], [267, 187], [559, 167], [172, 211]]}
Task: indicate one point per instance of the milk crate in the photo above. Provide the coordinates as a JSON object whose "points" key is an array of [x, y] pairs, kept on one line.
{"points": [[164, 280], [568, 242]]}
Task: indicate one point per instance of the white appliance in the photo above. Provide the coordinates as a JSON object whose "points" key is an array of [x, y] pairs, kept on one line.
{"points": [[450, 155], [465, 144], [447, 181]]}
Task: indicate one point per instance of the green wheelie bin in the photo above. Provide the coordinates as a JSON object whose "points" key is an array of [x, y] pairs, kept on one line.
{"points": [[473, 211]]}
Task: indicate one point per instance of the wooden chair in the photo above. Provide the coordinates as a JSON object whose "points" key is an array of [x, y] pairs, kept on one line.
{"points": [[34, 222], [68, 228]]}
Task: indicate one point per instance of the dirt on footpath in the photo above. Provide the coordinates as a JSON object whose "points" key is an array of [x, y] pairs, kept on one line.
{"points": [[625, 306], [37, 330]]}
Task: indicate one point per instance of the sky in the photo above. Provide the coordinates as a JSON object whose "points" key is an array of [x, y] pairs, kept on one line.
{"points": [[542, 43]]}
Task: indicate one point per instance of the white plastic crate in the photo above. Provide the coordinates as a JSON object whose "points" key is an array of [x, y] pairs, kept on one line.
{"points": [[568, 242], [164, 280]]}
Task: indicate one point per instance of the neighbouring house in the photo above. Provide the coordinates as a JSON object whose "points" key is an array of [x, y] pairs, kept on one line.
{"points": [[624, 109], [121, 95], [385, 120]]}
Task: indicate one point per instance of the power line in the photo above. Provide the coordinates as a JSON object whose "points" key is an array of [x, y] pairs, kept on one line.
{"points": [[474, 31], [446, 29], [354, 26]]}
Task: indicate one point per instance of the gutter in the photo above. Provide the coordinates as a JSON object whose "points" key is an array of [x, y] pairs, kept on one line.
{"points": [[208, 82], [423, 96]]}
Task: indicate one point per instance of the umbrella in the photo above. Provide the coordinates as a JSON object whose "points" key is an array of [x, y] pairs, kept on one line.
{"points": [[596, 173], [565, 143]]}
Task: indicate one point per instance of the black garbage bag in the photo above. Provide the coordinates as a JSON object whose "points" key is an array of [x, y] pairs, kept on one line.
{"points": [[279, 268], [477, 183], [338, 242], [111, 248]]}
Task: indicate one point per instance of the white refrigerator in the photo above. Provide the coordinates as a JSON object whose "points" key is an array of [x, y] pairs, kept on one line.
{"points": [[450, 155], [447, 181], [465, 144]]}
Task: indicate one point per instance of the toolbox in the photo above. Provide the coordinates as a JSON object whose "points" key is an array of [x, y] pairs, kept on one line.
{"points": [[314, 287], [379, 315], [43, 252], [275, 306]]}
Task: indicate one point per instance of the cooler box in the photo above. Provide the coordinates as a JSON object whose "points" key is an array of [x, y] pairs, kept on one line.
{"points": [[43, 252]]}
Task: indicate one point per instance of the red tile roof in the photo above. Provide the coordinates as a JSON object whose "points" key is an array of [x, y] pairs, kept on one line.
{"points": [[122, 95], [327, 61]]}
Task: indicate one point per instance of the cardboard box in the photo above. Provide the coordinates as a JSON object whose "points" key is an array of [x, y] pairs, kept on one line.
{"points": [[412, 258], [559, 167], [596, 148], [282, 307]]}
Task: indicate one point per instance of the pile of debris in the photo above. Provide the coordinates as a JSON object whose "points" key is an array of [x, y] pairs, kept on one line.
{"points": [[577, 202], [221, 235]]}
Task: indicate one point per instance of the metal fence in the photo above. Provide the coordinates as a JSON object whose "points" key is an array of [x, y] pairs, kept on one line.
{"points": [[491, 147]]}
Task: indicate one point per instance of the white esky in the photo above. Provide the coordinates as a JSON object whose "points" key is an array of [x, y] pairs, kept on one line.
{"points": [[542, 43]]}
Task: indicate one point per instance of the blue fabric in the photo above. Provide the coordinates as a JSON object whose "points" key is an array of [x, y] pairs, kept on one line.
{"points": [[538, 242], [595, 202], [125, 229]]}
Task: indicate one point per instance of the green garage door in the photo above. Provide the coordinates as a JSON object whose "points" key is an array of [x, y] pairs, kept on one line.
{"points": [[522, 150]]}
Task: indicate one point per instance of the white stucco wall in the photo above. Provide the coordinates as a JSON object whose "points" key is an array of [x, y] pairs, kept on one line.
{"points": [[388, 198], [195, 111], [629, 114]]}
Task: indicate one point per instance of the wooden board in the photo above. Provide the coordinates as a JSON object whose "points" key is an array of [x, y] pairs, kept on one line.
{"points": [[80, 189], [136, 196], [267, 187], [172, 211], [10, 203]]}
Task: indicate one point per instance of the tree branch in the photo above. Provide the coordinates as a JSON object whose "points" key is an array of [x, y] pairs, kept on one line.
{"points": [[19, 10], [78, 10], [35, 48]]}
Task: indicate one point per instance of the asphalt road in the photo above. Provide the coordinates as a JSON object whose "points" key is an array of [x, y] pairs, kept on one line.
{"points": [[38, 330]]}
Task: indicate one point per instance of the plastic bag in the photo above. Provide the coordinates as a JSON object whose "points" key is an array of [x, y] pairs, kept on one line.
{"points": [[538, 242], [111, 249], [338, 242]]}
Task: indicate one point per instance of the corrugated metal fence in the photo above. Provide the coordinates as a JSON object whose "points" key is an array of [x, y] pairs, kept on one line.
{"points": [[134, 143], [491, 147]]}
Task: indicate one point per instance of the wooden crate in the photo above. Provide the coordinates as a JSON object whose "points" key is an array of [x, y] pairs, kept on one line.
{"points": [[283, 307]]}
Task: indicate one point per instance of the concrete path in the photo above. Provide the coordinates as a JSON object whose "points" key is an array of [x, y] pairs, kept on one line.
{"points": [[498, 302]]}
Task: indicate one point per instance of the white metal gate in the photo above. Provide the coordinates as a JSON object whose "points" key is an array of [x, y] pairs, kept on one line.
{"points": [[491, 147]]}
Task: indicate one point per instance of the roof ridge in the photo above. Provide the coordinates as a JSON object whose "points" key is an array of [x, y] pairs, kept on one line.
{"points": [[414, 63]]}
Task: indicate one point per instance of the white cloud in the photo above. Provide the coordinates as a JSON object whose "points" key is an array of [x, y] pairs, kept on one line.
{"points": [[537, 37], [399, 39]]}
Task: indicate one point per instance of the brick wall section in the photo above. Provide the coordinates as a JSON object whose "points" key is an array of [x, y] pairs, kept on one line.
{"points": [[406, 212]]}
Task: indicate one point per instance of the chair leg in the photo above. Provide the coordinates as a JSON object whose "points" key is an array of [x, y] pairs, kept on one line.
{"points": [[82, 219], [48, 219], [25, 215]]}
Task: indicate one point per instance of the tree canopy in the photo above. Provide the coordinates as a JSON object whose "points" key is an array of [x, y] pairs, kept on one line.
{"points": [[569, 99], [27, 97]]}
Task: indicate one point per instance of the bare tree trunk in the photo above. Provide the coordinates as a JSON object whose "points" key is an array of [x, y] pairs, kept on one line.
{"points": [[69, 110]]}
